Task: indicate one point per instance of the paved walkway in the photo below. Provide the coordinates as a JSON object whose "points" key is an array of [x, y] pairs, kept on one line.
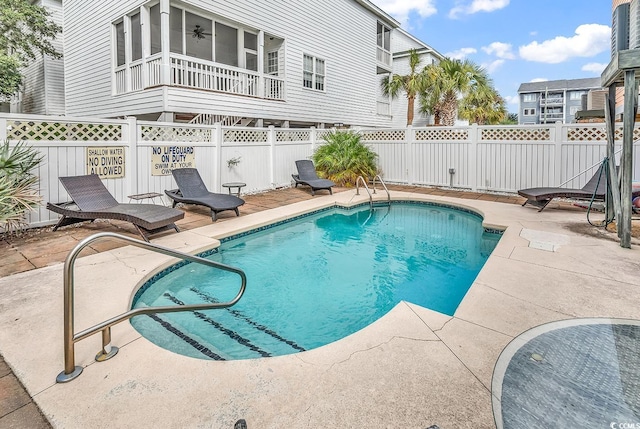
{"points": [[43, 247]]}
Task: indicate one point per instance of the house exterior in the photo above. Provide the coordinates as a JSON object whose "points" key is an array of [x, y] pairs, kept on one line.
{"points": [[250, 62], [401, 43], [42, 92], [554, 100]]}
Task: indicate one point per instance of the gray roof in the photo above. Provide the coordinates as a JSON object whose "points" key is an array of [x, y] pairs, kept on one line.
{"points": [[569, 84]]}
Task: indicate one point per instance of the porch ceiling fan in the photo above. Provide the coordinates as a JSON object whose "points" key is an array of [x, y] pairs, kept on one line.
{"points": [[199, 32]]}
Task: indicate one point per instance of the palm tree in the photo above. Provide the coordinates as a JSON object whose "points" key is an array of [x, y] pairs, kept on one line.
{"points": [[445, 83], [412, 84], [344, 157], [483, 106], [18, 184]]}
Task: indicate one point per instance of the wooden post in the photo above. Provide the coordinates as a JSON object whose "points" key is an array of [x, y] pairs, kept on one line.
{"points": [[626, 162], [613, 203]]}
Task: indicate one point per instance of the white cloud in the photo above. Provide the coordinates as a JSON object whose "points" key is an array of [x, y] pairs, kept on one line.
{"points": [[493, 66], [461, 53], [512, 99], [400, 9], [478, 6], [539, 79], [589, 40], [500, 50], [595, 68]]}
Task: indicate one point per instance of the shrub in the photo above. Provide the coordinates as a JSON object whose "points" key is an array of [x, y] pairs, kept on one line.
{"points": [[343, 158], [17, 190]]}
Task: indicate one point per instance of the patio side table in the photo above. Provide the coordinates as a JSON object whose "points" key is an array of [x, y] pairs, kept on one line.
{"points": [[149, 195], [237, 185]]}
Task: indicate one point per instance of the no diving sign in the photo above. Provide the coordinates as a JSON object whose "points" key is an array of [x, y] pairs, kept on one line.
{"points": [[107, 161]]}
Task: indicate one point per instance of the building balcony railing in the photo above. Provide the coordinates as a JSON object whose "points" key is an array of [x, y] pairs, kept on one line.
{"points": [[551, 100], [383, 58], [551, 117], [198, 74]]}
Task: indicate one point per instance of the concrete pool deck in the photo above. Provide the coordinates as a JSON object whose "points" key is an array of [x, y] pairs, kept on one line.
{"points": [[412, 368]]}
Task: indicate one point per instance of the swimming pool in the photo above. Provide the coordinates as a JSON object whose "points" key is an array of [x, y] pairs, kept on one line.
{"points": [[318, 278]]}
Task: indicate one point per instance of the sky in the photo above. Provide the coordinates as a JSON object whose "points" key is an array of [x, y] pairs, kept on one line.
{"points": [[516, 41]]}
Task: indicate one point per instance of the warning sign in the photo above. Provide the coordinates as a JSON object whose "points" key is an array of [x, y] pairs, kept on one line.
{"points": [[107, 162], [166, 158]]}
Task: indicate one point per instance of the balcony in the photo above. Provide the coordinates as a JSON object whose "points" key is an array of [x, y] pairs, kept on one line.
{"points": [[383, 58], [189, 72], [551, 100], [551, 117]]}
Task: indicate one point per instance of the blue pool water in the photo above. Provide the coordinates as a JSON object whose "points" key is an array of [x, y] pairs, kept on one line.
{"points": [[317, 279]]}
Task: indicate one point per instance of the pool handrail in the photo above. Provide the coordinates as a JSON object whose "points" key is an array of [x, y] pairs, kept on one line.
{"points": [[364, 183], [70, 370]]}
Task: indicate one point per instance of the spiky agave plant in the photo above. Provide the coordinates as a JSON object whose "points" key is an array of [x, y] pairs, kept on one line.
{"points": [[17, 184], [344, 157]]}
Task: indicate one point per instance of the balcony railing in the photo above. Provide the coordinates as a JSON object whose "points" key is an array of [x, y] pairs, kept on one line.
{"points": [[198, 74], [551, 100], [384, 57], [551, 117]]}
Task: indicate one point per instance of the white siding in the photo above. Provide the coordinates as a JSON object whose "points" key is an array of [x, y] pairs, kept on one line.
{"points": [[44, 77], [54, 68], [341, 32], [400, 42]]}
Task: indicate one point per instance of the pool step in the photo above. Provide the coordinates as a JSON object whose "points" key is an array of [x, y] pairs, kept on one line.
{"points": [[212, 331]]}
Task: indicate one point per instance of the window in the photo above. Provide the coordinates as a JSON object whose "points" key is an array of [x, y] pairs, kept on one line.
{"points": [[527, 98], [384, 37], [154, 16], [313, 73], [176, 30], [529, 112], [250, 51], [120, 44], [573, 110], [319, 75], [576, 95], [226, 45], [272, 63], [200, 43], [136, 37]]}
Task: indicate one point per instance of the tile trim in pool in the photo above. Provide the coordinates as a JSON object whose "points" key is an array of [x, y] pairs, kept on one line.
{"points": [[209, 252]]}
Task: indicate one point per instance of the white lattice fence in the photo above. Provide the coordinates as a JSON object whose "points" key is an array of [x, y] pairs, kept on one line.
{"points": [[62, 131], [173, 133], [511, 134], [442, 134]]}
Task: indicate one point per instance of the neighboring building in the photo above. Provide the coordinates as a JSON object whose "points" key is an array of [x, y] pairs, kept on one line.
{"points": [[554, 100], [401, 43], [250, 62], [42, 92]]}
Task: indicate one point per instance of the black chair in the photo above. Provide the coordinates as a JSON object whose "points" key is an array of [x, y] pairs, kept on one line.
{"points": [[307, 176], [92, 200], [595, 188], [192, 190]]}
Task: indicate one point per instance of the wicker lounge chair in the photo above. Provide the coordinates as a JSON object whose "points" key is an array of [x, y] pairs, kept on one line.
{"points": [[92, 200], [307, 176], [192, 190]]}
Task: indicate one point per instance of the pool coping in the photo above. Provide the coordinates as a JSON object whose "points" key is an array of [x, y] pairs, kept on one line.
{"points": [[322, 387]]}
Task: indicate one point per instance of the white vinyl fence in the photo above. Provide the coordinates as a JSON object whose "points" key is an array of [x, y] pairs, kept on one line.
{"points": [[479, 158]]}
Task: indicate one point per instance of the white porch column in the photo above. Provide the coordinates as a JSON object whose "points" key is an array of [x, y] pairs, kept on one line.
{"points": [[261, 85], [145, 24], [165, 28]]}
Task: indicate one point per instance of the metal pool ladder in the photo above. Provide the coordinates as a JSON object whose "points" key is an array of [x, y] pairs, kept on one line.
{"points": [[364, 183], [108, 351]]}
